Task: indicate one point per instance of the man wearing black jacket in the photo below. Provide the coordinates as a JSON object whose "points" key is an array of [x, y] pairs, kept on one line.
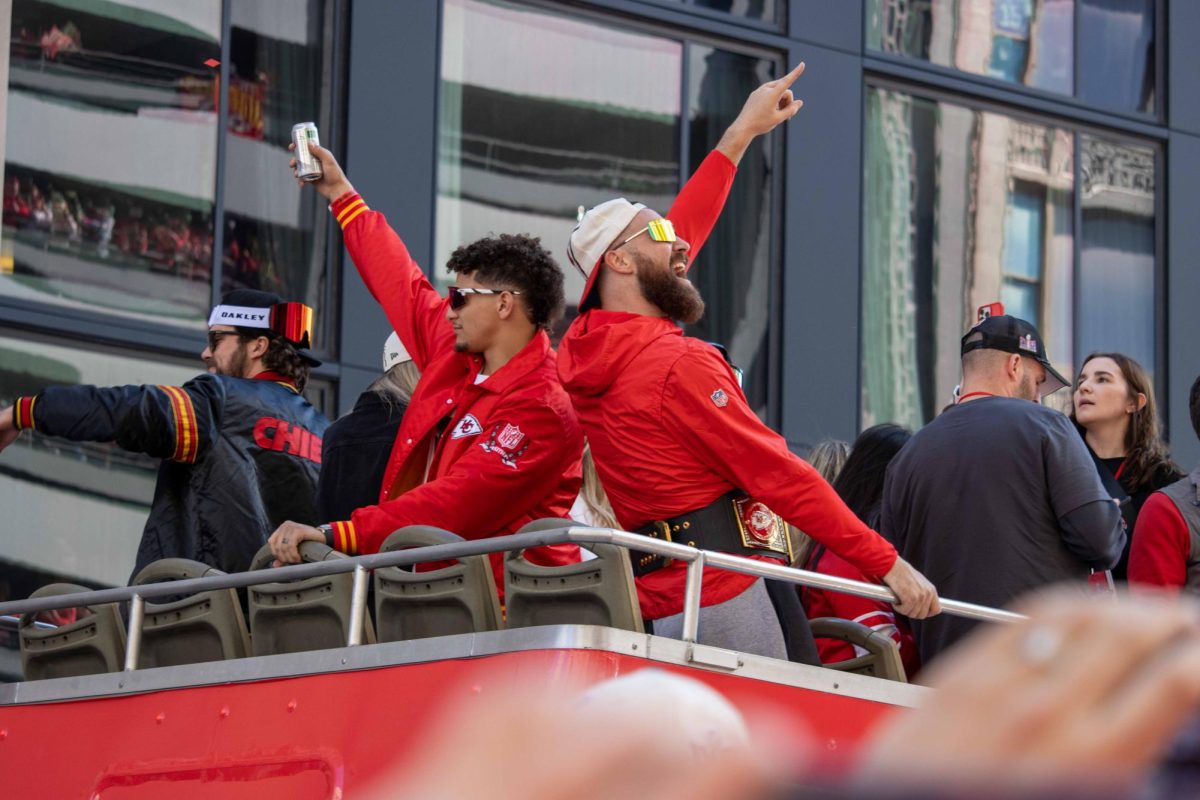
{"points": [[358, 445], [998, 495], [240, 446]]}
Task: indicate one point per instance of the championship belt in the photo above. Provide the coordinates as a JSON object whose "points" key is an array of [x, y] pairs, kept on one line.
{"points": [[761, 528], [733, 523]]}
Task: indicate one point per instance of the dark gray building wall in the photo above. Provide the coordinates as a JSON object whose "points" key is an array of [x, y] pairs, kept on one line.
{"points": [[822, 232], [1183, 291], [391, 157], [1183, 234]]}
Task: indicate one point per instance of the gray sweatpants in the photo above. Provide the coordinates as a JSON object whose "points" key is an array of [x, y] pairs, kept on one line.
{"points": [[746, 623]]}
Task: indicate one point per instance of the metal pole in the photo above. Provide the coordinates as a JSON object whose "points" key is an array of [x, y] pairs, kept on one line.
{"points": [[133, 638], [691, 598], [358, 606]]}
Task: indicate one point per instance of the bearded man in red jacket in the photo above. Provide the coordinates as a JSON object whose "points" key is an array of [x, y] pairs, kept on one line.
{"points": [[489, 441], [678, 449]]}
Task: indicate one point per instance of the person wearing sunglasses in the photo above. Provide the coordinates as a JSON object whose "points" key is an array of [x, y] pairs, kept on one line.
{"points": [[490, 440], [678, 448], [240, 446]]}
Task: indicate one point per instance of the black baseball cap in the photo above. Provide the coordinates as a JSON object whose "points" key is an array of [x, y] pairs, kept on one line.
{"points": [[1014, 335]]}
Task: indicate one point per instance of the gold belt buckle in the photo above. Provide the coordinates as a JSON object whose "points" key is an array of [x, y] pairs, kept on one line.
{"points": [[761, 528], [661, 531]]}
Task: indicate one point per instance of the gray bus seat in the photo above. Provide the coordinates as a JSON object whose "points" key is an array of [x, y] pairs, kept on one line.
{"points": [[460, 598], [308, 614], [206, 626], [599, 591], [883, 654], [88, 646]]}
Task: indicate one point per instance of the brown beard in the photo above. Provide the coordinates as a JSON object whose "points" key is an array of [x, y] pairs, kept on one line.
{"points": [[237, 363], [676, 296]]}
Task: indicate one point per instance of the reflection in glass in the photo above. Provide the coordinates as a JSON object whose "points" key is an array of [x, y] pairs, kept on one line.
{"points": [[1117, 53], [80, 506], [734, 270], [280, 74], [110, 157], [1116, 269], [1030, 42], [530, 134], [961, 208], [765, 10]]}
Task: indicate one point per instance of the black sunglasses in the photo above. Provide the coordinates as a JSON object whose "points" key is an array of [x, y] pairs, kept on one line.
{"points": [[214, 338], [458, 295]]}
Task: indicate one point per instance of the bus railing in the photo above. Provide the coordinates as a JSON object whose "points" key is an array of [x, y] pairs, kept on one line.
{"points": [[361, 566]]}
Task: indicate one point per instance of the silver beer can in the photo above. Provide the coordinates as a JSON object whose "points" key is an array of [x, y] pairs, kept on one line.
{"points": [[308, 168]]}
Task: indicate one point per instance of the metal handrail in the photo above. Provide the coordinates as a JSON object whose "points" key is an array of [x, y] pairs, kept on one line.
{"points": [[696, 560]]}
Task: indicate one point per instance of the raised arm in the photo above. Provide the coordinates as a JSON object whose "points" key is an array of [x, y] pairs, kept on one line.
{"points": [[415, 310], [700, 201]]}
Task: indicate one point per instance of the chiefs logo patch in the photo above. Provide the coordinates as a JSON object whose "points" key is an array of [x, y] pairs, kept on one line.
{"points": [[507, 441], [467, 426]]}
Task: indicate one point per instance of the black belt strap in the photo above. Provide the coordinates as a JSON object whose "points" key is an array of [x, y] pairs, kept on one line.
{"points": [[713, 527]]}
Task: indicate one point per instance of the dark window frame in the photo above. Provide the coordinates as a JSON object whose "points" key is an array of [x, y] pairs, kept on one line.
{"points": [[713, 29], [133, 335], [939, 84]]}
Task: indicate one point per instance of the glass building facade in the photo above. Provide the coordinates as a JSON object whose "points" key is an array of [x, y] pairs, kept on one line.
{"points": [[952, 153]]}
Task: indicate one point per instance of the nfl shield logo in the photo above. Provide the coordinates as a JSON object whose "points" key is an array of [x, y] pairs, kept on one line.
{"points": [[510, 437], [719, 398]]}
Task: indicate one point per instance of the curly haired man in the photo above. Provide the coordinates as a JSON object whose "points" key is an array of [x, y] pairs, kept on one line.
{"points": [[490, 440]]}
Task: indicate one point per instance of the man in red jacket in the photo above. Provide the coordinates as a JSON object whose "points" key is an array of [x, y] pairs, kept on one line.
{"points": [[489, 441], [678, 449]]}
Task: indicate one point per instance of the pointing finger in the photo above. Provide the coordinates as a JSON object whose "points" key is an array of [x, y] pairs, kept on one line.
{"points": [[790, 78]]}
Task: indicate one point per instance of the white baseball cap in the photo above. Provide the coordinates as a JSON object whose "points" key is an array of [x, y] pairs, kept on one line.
{"points": [[595, 233], [394, 352]]}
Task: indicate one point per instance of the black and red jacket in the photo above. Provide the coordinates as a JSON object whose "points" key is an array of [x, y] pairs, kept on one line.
{"points": [[240, 457]]}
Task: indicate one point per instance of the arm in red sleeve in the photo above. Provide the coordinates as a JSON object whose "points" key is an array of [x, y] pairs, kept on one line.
{"points": [[417, 313], [1160, 549], [698, 206], [735, 444], [488, 487]]}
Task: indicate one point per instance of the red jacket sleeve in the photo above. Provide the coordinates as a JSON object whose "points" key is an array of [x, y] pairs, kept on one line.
{"points": [[415, 310], [470, 497], [735, 444], [699, 203], [1160, 549]]}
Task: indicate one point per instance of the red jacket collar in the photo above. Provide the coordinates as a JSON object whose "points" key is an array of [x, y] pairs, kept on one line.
{"points": [[268, 375], [530, 358]]}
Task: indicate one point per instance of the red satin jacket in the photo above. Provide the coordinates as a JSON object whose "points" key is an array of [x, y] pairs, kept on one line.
{"points": [[505, 451]]}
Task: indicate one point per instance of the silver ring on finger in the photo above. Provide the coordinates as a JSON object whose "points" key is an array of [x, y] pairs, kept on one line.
{"points": [[1040, 646]]}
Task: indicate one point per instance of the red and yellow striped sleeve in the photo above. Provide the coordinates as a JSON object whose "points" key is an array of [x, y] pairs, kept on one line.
{"points": [[345, 538], [348, 207], [187, 439], [23, 412]]}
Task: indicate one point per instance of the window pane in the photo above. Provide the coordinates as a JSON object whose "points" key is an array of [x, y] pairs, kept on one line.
{"points": [[765, 10], [961, 208], [281, 73], [1116, 278], [1030, 42], [111, 152], [735, 271], [79, 507], [531, 134], [1117, 61]]}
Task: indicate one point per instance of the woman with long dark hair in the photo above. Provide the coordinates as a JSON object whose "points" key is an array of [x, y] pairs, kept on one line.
{"points": [[860, 485], [1113, 407]]}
